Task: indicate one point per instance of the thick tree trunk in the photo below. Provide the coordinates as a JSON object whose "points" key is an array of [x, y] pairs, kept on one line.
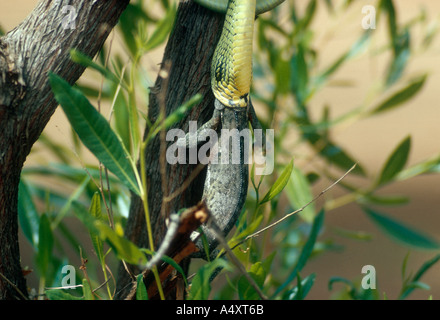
{"points": [[39, 45], [188, 53]]}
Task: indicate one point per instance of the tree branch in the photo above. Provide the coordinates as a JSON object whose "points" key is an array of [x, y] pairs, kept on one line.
{"points": [[39, 45]]}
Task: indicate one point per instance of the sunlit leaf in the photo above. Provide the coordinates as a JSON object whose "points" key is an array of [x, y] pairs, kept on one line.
{"points": [[279, 184], [299, 193]]}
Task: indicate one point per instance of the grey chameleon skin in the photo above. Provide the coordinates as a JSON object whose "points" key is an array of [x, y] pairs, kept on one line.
{"points": [[226, 184]]}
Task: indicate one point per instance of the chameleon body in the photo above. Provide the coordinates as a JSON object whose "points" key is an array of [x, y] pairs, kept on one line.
{"points": [[226, 180]]}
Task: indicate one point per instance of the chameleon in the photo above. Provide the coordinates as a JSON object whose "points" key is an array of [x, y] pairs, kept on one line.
{"points": [[226, 182]]}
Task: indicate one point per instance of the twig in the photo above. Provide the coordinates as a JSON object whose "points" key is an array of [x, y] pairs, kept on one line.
{"points": [[214, 227], [186, 183], [14, 286], [169, 236], [255, 234]]}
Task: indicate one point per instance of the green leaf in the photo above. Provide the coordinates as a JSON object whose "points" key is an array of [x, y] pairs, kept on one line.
{"points": [[428, 166], [162, 30], [124, 249], [354, 50], [87, 291], [122, 118], [388, 200], [245, 290], [94, 131], [58, 294], [95, 211], [28, 215], [336, 155], [85, 61], [306, 251], [425, 267], [141, 290], [401, 232], [128, 22], [299, 194], [298, 73], [45, 245], [401, 56], [357, 235], [401, 96], [182, 111], [201, 284], [171, 262], [395, 162], [302, 289], [279, 184]]}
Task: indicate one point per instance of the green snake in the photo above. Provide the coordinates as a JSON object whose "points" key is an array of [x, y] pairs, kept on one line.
{"points": [[231, 71], [226, 183]]}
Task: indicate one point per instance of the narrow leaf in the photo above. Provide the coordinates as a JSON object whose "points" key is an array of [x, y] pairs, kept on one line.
{"points": [[299, 194], [395, 162], [87, 291], [162, 30], [201, 286], [58, 294], [245, 290], [85, 61], [94, 131], [95, 211], [401, 232], [423, 269], [401, 96], [305, 285], [306, 251], [124, 249], [141, 290], [28, 215], [279, 184], [45, 245]]}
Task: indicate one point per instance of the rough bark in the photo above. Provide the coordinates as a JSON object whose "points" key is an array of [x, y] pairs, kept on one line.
{"points": [[39, 45], [188, 53]]}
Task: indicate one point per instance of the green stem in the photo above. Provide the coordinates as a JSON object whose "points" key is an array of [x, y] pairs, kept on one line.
{"points": [[147, 214]]}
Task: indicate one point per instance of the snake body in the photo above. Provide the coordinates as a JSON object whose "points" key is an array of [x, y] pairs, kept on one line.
{"points": [[231, 70]]}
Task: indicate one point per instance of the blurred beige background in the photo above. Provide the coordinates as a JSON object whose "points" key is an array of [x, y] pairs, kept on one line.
{"points": [[370, 141]]}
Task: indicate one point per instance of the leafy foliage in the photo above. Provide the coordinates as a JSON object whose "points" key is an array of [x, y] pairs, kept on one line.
{"points": [[288, 75]]}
